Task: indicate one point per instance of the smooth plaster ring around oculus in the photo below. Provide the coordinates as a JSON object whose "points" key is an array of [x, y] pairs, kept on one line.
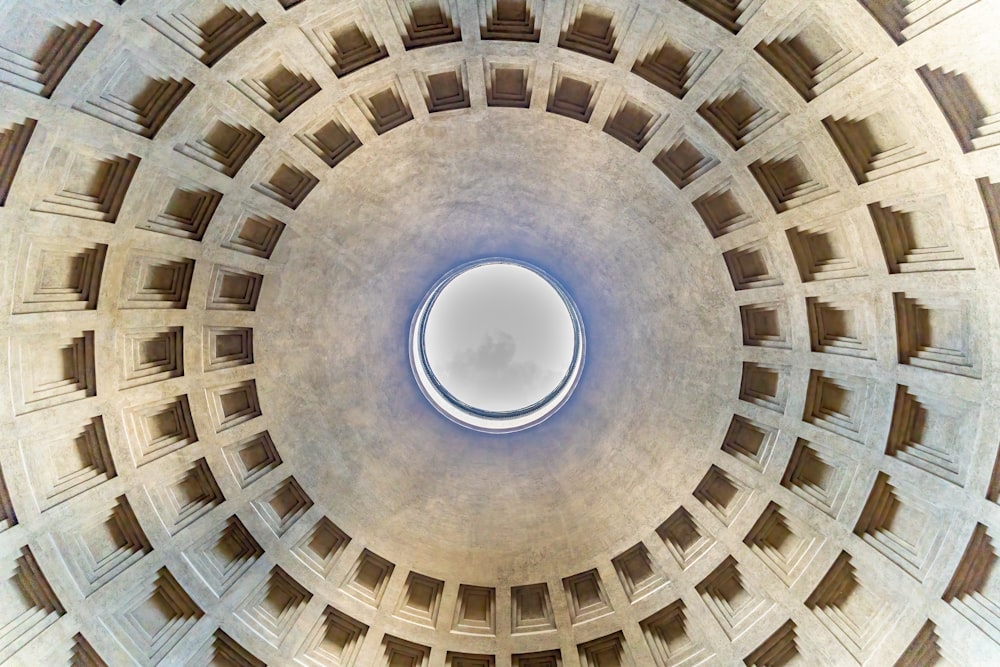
{"points": [[504, 294]]}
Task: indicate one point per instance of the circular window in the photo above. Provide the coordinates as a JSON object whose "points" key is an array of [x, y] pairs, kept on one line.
{"points": [[497, 345]]}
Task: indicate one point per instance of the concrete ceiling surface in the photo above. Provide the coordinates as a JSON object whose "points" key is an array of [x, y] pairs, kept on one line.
{"points": [[779, 220]]}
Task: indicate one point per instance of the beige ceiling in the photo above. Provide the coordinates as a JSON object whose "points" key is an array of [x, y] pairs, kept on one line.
{"points": [[779, 219]]}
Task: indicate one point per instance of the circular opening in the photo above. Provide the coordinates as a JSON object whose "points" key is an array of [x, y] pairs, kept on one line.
{"points": [[497, 345]]}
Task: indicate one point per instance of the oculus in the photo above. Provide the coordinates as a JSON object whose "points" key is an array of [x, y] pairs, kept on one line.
{"points": [[497, 345]]}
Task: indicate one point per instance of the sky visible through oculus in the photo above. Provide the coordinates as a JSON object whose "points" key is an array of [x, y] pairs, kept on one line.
{"points": [[499, 337]]}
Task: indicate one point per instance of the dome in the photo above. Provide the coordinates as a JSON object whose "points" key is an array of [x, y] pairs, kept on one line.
{"points": [[778, 220]]}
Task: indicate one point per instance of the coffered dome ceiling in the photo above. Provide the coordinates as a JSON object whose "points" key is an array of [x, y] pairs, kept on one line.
{"points": [[779, 221]]}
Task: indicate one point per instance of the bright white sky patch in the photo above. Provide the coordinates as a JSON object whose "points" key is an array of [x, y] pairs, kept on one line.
{"points": [[499, 337]]}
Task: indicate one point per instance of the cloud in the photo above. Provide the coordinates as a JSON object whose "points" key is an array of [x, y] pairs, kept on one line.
{"points": [[488, 377]]}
